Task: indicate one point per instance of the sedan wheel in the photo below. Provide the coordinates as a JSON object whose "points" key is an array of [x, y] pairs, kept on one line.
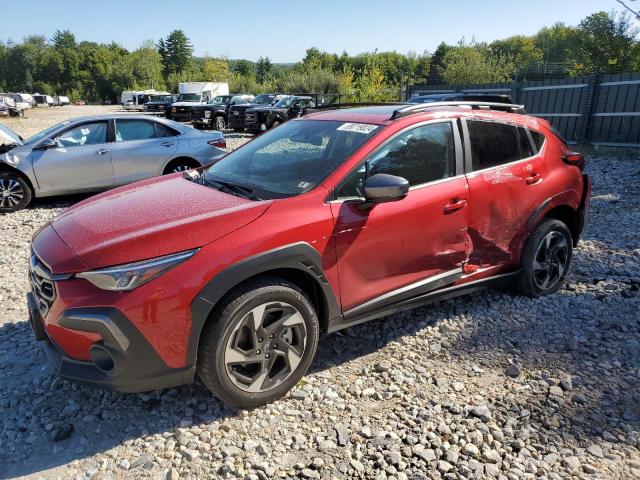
{"points": [[181, 168], [15, 194]]}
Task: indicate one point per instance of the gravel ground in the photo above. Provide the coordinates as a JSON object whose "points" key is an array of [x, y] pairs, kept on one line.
{"points": [[489, 385]]}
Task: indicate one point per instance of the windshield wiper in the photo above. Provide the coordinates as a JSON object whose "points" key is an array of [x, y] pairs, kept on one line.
{"points": [[230, 187]]}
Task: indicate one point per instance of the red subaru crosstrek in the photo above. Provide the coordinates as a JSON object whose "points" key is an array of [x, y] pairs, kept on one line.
{"points": [[330, 220]]}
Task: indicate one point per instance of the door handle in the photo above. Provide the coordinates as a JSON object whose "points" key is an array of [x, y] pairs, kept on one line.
{"points": [[102, 151], [167, 144], [533, 178], [455, 205]]}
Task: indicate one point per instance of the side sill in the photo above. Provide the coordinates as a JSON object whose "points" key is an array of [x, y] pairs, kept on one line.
{"points": [[426, 299]]}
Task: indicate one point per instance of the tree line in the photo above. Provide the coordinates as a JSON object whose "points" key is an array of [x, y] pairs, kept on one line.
{"points": [[601, 43]]}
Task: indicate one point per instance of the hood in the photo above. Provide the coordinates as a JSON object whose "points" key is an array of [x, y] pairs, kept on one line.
{"points": [[159, 102], [8, 136], [148, 219]]}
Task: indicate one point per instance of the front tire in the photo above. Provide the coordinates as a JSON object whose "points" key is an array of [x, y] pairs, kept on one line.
{"points": [[219, 123], [546, 258], [259, 344], [15, 192]]}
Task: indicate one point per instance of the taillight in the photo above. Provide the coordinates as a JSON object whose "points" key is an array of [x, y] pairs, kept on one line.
{"points": [[574, 158], [222, 143]]}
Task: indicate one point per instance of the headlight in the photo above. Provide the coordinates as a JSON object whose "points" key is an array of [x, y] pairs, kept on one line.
{"points": [[132, 275]]}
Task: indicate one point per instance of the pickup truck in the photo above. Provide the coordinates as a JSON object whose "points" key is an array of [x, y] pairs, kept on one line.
{"points": [[237, 112], [215, 114], [259, 119], [160, 104]]}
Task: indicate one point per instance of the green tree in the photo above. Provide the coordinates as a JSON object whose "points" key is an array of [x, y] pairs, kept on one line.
{"points": [[264, 69], [522, 50], [474, 63], [176, 52], [215, 70], [606, 43]]}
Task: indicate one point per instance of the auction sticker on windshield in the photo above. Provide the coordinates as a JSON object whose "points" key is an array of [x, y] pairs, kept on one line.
{"points": [[364, 128]]}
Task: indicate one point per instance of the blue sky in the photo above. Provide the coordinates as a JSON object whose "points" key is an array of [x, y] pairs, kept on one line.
{"points": [[284, 29]]}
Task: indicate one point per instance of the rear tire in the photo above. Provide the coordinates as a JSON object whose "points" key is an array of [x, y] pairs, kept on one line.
{"points": [[259, 343], [546, 258], [15, 192], [180, 165]]}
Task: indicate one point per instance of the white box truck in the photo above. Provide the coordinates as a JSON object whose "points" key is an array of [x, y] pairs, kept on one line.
{"points": [[195, 93]]}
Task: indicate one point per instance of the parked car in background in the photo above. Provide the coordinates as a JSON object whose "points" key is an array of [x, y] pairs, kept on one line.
{"points": [[236, 120], [259, 119], [8, 106], [160, 104], [23, 100], [469, 97], [61, 101], [326, 222], [215, 114], [99, 152], [195, 93], [43, 100]]}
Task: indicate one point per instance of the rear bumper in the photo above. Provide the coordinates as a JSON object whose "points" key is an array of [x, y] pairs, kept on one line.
{"points": [[122, 361], [585, 202]]}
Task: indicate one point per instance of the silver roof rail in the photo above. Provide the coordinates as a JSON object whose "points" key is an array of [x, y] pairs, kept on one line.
{"points": [[423, 107]]}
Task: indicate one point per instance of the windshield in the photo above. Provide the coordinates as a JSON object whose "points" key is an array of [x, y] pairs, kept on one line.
{"points": [[284, 103], [162, 98], [219, 101], [45, 133], [189, 97], [263, 99], [292, 158]]}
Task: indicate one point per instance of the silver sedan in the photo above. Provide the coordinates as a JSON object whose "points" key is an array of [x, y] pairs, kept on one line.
{"points": [[96, 153]]}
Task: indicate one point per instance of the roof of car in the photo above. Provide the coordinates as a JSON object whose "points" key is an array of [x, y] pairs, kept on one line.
{"points": [[378, 115], [383, 114]]}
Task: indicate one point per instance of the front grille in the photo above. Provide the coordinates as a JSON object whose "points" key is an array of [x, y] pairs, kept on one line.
{"points": [[42, 284], [251, 117], [197, 114]]}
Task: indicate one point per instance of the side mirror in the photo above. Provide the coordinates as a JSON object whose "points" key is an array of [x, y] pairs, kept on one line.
{"points": [[383, 188], [47, 144]]}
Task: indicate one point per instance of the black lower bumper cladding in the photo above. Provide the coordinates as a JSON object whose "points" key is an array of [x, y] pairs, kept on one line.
{"points": [[122, 361]]}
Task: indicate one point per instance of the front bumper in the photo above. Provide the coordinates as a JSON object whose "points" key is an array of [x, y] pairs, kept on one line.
{"points": [[181, 116], [121, 361]]}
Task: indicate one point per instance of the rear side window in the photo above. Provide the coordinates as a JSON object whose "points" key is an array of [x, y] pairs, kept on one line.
{"points": [[538, 139], [526, 150], [494, 144], [127, 130], [162, 131]]}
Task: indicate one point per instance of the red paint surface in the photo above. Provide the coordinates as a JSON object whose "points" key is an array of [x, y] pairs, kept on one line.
{"points": [[365, 253]]}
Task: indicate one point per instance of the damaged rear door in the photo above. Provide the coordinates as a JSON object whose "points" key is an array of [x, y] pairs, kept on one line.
{"points": [[505, 185]]}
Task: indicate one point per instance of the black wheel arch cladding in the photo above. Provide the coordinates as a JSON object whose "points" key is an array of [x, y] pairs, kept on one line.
{"points": [[299, 256]]}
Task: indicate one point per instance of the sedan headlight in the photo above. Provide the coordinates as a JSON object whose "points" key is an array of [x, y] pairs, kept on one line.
{"points": [[132, 275]]}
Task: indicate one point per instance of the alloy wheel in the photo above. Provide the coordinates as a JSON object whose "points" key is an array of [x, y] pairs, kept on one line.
{"points": [[180, 168], [265, 347], [550, 261], [11, 193]]}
